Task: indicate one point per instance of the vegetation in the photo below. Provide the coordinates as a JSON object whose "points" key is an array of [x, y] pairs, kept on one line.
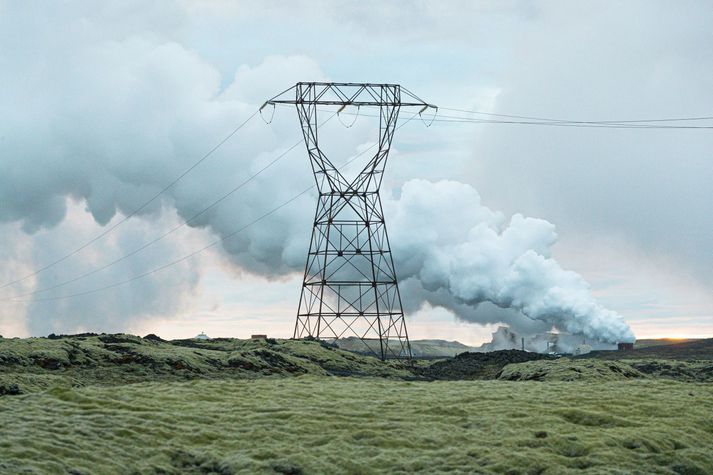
{"points": [[312, 424], [124, 404], [28, 365], [566, 369]]}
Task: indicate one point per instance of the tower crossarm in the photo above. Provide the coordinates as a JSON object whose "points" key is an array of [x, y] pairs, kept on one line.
{"points": [[348, 94]]}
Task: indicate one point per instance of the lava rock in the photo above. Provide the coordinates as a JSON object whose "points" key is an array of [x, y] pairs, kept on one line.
{"points": [[152, 337], [470, 365], [9, 390]]}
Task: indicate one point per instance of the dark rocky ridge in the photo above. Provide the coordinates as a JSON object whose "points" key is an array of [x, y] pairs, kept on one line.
{"points": [[478, 365]]}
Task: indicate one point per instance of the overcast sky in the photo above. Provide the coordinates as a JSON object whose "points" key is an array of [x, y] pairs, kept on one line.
{"points": [[104, 103]]}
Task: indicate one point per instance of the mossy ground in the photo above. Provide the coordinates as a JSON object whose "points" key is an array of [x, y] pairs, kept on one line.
{"points": [[312, 424], [33, 364], [123, 404], [566, 369]]}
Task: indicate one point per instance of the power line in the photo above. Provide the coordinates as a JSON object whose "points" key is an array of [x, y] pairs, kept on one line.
{"points": [[645, 123], [465, 120], [555, 122], [159, 238], [668, 119], [522, 120], [570, 121], [177, 261], [137, 210], [642, 123], [212, 244], [170, 231]]}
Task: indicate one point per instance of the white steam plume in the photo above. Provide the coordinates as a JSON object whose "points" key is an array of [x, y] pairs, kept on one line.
{"points": [[448, 240]]}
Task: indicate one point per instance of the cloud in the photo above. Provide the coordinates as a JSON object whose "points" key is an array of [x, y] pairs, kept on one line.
{"points": [[650, 188], [108, 114], [162, 293]]}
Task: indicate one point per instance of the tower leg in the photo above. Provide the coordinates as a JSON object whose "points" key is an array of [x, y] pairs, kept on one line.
{"points": [[350, 290]]}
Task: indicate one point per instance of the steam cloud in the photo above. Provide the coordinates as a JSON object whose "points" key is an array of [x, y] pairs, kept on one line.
{"points": [[450, 241], [138, 111]]}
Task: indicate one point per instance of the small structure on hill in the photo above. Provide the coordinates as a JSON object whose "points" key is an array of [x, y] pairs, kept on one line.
{"points": [[201, 336], [258, 337], [582, 349]]}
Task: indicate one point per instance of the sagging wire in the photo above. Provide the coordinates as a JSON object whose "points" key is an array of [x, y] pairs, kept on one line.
{"points": [[272, 115], [433, 117], [356, 116]]}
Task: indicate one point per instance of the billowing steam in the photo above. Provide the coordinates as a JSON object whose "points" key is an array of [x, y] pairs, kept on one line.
{"points": [[449, 241], [124, 113], [459, 253]]}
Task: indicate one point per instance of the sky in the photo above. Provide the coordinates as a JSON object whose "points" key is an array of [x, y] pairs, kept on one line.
{"points": [[105, 103]]}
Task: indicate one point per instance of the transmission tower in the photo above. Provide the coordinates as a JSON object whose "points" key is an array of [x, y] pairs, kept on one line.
{"points": [[350, 287]]}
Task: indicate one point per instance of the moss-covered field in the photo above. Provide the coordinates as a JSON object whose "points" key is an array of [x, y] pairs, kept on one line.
{"points": [[34, 364], [356, 425], [122, 404]]}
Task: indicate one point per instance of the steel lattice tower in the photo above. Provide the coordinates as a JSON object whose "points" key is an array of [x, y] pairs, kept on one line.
{"points": [[350, 286]]}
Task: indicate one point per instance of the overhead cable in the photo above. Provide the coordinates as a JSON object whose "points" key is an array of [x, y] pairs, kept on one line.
{"points": [[212, 244], [137, 210], [170, 231]]}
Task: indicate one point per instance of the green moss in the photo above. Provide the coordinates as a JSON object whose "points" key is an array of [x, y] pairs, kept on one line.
{"points": [[692, 370], [123, 404], [37, 363], [593, 419], [567, 369], [321, 424]]}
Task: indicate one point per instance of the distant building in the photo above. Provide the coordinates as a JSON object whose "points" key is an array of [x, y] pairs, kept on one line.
{"points": [[201, 336], [258, 337]]}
